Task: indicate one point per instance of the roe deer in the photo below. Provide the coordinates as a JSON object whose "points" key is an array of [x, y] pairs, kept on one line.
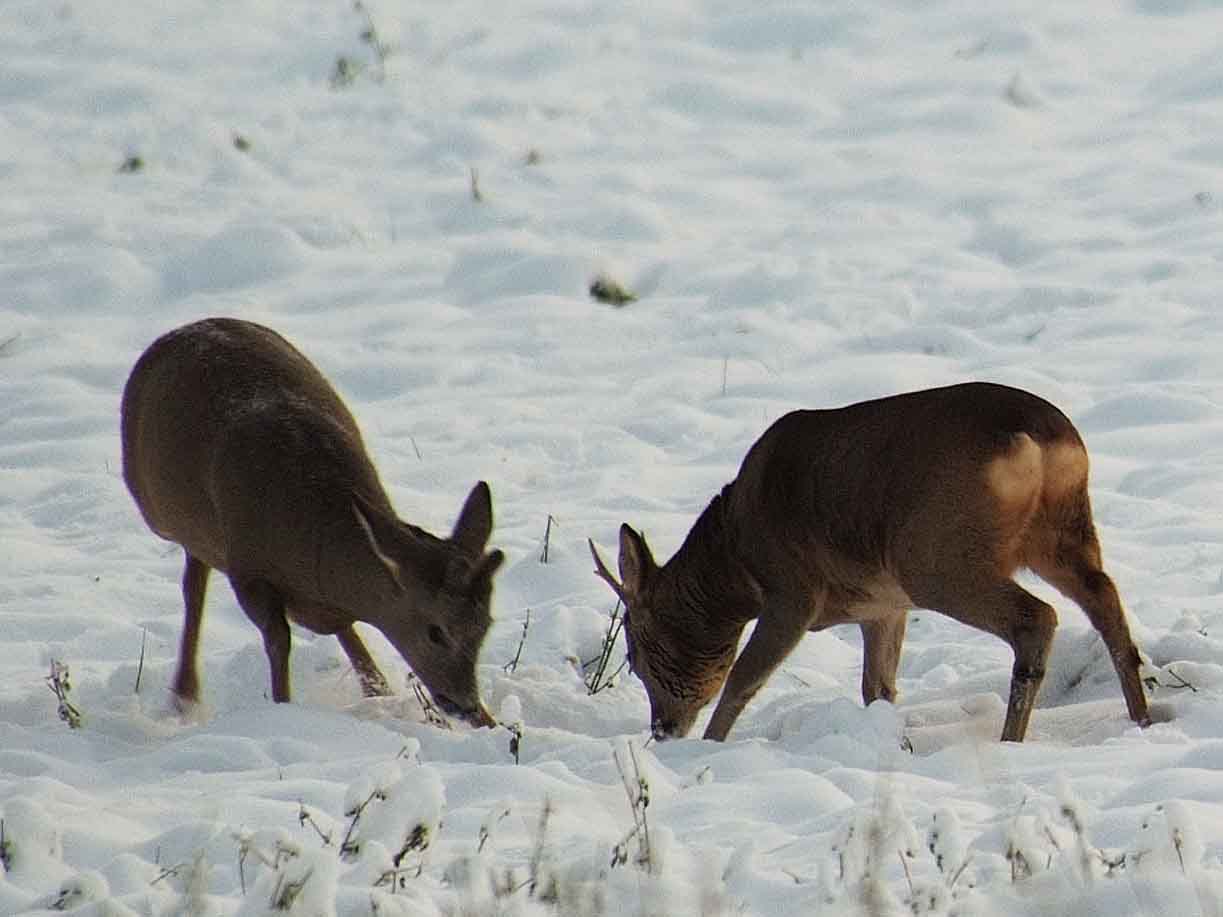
{"points": [[931, 499], [237, 448]]}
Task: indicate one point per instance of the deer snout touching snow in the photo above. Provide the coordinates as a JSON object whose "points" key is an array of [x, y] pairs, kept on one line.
{"points": [[237, 448]]}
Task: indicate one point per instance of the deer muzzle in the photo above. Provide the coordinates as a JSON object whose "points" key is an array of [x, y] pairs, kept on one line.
{"points": [[663, 730], [477, 716]]}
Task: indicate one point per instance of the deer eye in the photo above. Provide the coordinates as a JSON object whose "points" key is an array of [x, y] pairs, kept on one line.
{"points": [[437, 636]]}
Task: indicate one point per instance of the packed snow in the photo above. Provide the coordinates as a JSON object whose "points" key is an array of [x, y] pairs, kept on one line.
{"points": [[806, 204]]}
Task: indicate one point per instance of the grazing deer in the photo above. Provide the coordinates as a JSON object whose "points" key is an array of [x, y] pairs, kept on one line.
{"points": [[237, 448], [931, 499]]}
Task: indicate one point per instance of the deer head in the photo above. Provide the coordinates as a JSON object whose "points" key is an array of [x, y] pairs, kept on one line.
{"points": [[679, 678], [439, 622]]}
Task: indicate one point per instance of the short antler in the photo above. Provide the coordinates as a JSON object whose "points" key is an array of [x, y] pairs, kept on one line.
{"points": [[602, 572]]}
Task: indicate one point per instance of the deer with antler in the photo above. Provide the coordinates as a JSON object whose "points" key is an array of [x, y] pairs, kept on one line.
{"points": [[931, 499]]}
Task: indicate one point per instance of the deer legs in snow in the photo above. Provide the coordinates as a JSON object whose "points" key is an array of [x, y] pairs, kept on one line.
{"points": [[373, 683], [265, 608], [195, 585], [771, 642], [881, 642]]}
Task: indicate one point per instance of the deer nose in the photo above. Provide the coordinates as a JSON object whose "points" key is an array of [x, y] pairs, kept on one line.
{"points": [[480, 717], [662, 730], [475, 716]]}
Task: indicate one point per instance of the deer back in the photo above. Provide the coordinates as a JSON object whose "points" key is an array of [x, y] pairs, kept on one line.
{"points": [[234, 444], [900, 482]]}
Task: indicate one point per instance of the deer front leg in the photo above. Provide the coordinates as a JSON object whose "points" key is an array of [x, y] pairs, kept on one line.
{"points": [[265, 606], [881, 642], [373, 684], [771, 642]]}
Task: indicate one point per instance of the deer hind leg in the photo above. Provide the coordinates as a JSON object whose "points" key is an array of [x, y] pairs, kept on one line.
{"points": [[881, 643], [1075, 570], [265, 606], [373, 684], [195, 585], [1007, 610]]}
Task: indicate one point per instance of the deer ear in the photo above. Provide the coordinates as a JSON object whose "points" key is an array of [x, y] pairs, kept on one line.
{"points": [[475, 522], [465, 577], [488, 566], [369, 519], [636, 562], [481, 579]]}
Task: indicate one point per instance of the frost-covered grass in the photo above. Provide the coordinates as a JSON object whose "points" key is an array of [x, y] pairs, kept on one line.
{"points": [[809, 204]]}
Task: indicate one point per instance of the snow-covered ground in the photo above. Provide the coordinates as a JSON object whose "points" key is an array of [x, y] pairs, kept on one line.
{"points": [[815, 203]]}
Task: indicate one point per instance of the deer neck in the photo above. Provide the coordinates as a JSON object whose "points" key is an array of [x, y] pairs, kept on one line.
{"points": [[712, 591], [352, 577]]}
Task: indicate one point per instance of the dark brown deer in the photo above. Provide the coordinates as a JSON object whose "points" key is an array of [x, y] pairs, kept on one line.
{"points": [[931, 499], [237, 448]]}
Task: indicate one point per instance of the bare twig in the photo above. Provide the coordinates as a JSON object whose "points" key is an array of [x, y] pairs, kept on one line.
{"points": [[59, 684], [637, 788], [347, 847], [144, 637], [370, 36], [543, 554], [537, 853], [486, 832], [955, 877], [282, 853], [512, 666], [286, 891], [417, 839], [1052, 839], [1180, 681], [476, 194], [243, 850], [515, 730], [305, 818], [433, 716], [598, 678], [1020, 867], [168, 872], [8, 342], [394, 879], [904, 863]]}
